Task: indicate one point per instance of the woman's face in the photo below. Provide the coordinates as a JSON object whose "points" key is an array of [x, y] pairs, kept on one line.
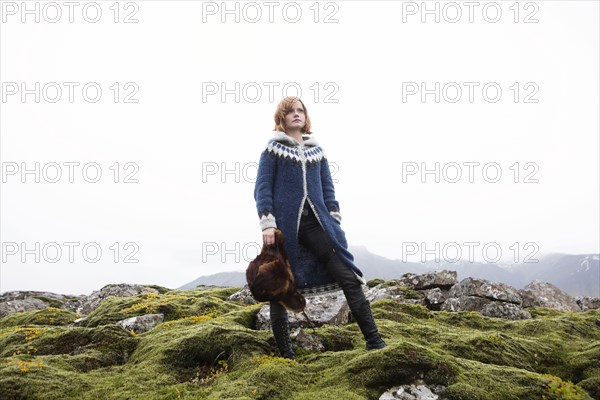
{"points": [[295, 118]]}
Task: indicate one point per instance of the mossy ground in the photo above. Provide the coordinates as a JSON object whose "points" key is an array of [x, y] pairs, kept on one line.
{"points": [[46, 316], [206, 348]]}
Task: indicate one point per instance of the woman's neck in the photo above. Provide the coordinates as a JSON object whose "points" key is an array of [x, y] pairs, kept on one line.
{"points": [[296, 135]]}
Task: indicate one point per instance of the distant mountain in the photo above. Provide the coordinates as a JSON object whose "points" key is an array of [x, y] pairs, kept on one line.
{"points": [[231, 278], [578, 275]]}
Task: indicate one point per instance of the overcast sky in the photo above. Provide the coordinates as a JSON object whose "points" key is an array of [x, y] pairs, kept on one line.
{"points": [[186, 97]]}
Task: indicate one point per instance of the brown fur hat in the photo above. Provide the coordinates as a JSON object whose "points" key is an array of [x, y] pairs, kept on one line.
{"points": [[270, 277]]}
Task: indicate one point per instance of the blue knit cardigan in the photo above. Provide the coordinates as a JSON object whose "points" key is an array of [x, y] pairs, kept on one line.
{"points": [[290, 173]]}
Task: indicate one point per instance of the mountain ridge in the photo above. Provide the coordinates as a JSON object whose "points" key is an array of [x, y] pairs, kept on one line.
{"points": [[576, 274]]}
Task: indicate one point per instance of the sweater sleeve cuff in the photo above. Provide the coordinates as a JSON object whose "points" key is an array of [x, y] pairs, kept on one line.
{"points": [[336, 215], [267, 221]]}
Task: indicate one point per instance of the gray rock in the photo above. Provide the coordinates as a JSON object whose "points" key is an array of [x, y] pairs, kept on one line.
{"points": [[443, 279], [243, 296], [587, 302], [68, 302], [391, 394], [486, 289], [434, 287], [544, 294], [307, 341], [416, 391], [464, 303], [492, 299], [485, 306], [321, 309], [393, 292], [91, 302], [15, 306], [500, 309], [434, 298], [379, 292], [141, 323]]}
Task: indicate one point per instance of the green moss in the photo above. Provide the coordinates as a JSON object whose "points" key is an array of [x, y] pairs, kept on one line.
{"points": [[173, 304], [46, 316], [414, 310], [581, 363], [479, 381], [374, 282], [409, 293], [556, 388], [336, 338], [381, 369], [244, 315], [221, 292], [89, 348], [501, 349], [539, 312], [197, 346], [377, 370], [468, 319], [208, 349], [329, 393], [265, 377], [30, 382], [52, 302], [161, 289], [591, 386]]}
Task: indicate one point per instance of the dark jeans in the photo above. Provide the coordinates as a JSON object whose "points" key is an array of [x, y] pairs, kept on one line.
{"points": [[313, 237]]}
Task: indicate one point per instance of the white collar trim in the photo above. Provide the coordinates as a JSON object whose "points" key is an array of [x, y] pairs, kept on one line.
{"points": [[309, 140]]}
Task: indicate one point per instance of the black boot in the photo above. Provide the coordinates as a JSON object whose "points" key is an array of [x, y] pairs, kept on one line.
{"points": [[361, 311], [359, 305], [281, 331]]}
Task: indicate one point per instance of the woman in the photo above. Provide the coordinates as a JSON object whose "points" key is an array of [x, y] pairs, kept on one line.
{"points": [[294, 192]]}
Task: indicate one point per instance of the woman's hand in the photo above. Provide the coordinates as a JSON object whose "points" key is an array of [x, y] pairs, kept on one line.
{"points": [[269, 236]]}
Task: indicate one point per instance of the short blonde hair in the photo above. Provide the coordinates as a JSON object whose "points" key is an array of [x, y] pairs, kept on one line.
{"points": [[283, 108]]}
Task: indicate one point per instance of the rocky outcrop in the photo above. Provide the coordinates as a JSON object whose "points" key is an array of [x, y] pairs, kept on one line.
{"points": [[437, 290], [416, 391], [587, 303], [395, 291], [429, 289], [243, 296], [484, 288], [443, 279], [492, 299], [329, 309], [487, 307], [209, 345], [434, 298], [307, 341], [141, 323], [15, 306], [91, 302], [29, 300], [544, 294], [510, 311]]}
